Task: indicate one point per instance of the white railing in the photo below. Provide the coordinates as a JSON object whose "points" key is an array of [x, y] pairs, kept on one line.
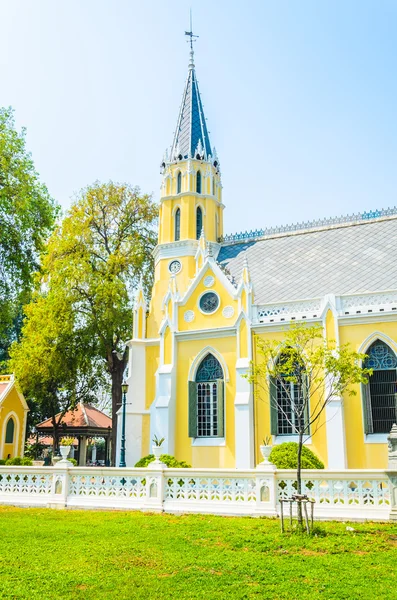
{"points": [[345, 494]]}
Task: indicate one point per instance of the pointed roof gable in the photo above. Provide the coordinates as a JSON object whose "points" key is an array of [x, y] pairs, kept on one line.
{"points": [[191, 130]]}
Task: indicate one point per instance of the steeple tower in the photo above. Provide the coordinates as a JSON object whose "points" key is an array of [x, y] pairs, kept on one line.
{"points": [[190, 200], [191, 189], [191, 137]]}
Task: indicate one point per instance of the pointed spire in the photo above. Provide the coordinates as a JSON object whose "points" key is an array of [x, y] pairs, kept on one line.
{"points": [[202, 240], [245, 274], [191, 130]]}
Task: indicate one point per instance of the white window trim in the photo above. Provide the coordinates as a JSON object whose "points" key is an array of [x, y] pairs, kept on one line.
{"points": [[375, 438], [209, 441], [280, 439], [208, 291]]}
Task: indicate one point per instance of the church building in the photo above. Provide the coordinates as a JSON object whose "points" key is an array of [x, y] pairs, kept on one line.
{"points": [[213, 294]]}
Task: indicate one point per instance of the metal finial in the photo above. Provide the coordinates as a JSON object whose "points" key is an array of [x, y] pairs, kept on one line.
{"points": [[192, 39]]}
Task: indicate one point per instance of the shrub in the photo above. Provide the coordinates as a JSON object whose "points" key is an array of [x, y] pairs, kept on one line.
{"points": [[67, 441], [18, 462], [73, 461], [2, 462], [167, 459], [285, 456]]}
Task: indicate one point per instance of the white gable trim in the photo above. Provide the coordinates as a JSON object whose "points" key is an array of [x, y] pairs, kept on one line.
{"points": [[209, 263]]}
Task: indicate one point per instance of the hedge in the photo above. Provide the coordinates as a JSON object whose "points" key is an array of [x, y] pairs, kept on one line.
{"points": [[285, 456]]}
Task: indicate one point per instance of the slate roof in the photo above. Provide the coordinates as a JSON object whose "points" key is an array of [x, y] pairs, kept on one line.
{"points": [[341, 260], [191, 126]]}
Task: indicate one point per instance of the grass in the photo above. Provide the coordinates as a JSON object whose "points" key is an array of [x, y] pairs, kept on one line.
{"points": [[51, 554]]}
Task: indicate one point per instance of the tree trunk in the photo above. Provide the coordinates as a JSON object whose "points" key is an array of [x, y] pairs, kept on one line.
{"points": [[55, 436], [116, 369], [299, 476]]}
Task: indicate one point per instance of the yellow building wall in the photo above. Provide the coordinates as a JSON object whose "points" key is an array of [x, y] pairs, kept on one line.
{"points": [[361, 455], [199, 456], [152, 364], [12, 403]]}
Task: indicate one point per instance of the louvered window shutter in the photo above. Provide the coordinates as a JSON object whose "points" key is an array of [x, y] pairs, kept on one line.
{"points": [[192, 409], [273, 406], [395, 400], [220, 397], [367, 408]]}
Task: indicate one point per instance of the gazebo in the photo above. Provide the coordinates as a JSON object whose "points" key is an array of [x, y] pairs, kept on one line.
{"points": [[83, 422]]}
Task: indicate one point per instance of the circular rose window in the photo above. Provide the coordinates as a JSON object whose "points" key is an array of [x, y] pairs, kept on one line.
{"points": [[209, 302]]}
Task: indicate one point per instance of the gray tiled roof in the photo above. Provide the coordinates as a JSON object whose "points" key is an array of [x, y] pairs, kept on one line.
{"points": [[191, 126], [354, 258]]}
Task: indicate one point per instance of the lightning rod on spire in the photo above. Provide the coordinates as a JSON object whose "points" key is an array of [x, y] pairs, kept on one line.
{"points": [[190, 33]]}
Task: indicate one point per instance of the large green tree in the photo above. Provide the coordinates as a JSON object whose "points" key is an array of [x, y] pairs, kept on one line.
{"points": [[53, 361], [94, 261], [27, 215]]}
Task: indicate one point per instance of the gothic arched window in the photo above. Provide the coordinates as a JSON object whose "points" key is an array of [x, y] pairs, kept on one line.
{"points": [[198, 182], [10, 428], [179, 183], [380, 394], [177, 224], [199, 222], [206, 400], [289, 402]]}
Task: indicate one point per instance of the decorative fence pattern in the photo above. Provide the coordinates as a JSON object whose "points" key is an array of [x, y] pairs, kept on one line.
{"points": [[25, 483], [338, 494], [305, 309], [354, 218]]}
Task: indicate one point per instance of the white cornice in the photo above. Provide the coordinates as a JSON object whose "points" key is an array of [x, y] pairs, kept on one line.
{"points": [[144, 342], [202, 334], [180, 248], [175, 249], [192, 194], [368, 318]]}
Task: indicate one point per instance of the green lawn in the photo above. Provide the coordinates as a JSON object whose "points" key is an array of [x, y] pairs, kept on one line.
{"points": [[51, 554]]}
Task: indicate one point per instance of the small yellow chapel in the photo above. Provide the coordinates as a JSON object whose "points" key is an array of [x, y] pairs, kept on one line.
{"points": [[213, 294]]}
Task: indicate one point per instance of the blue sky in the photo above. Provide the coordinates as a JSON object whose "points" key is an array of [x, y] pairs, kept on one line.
{"points": [[300, 97]]}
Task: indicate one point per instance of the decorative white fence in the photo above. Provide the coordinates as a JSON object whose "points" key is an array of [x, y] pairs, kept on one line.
{"points": [[348, 494]]}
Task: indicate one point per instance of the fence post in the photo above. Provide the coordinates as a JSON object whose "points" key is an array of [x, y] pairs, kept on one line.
{"points": [[392, 471], [155, 487], [266, 489], [60, 485]]}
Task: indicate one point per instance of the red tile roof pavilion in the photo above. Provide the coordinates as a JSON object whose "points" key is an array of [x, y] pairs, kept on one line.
{"points": [[84, 420]]}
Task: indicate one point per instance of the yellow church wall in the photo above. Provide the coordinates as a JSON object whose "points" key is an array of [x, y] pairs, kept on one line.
{"points": [[145, 448], [362, 455], [204, 321], [202, 456], [152, 364], [11, 406], [330, 327], [262, 408], [243, 339]]}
